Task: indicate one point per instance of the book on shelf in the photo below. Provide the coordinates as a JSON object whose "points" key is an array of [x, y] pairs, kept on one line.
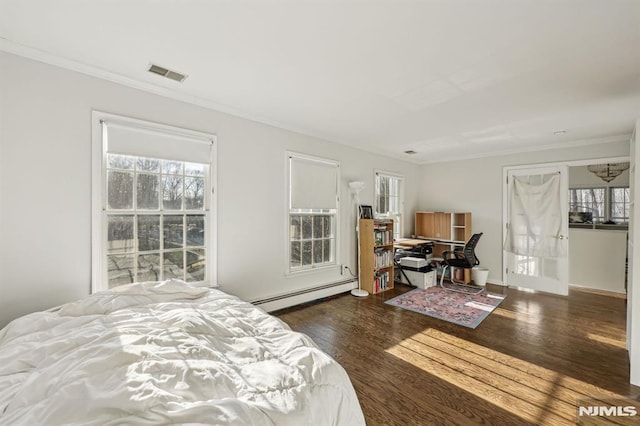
{"points": [[381, 281], [383, 237], [383, 258]]}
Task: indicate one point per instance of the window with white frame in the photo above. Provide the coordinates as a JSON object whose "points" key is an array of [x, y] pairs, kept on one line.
{"points": [[605, 203], [389, 202], [153, 216], [590, 200], [313, 212], [620, 203]]}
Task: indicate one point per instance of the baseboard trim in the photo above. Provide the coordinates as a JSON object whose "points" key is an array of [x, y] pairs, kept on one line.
{"points": [[302, 296], [497, 282], [612, 293]]}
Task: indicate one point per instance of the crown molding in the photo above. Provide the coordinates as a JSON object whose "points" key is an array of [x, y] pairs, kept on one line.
{"points": [[533, 148], [48, 58], [39, 55]]}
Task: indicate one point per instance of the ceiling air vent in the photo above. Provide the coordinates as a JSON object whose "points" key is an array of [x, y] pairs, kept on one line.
{"points": [[167, 73], [410, 152]]}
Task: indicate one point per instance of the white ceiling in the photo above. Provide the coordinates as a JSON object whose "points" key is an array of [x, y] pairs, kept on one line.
{"points": [[446, 78]]}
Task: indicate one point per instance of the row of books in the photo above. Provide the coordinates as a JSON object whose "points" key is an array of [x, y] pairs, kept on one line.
{"points": [[383, 237], [382, 258], [381, 282]]}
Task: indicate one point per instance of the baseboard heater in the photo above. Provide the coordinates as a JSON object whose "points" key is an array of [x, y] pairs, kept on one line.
{"points": [[304, 291]]}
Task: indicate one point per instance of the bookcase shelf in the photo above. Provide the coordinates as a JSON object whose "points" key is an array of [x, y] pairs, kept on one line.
{"points": [[376, 255]]}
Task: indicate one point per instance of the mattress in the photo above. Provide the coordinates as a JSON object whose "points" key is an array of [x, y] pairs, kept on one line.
{"points": [[161, 353]]}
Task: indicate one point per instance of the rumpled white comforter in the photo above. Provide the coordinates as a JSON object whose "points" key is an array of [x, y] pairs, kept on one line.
{"points": [[166, 353]]}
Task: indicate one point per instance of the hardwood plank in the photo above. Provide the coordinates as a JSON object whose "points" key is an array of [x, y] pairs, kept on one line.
{"points": [[527, 363]]}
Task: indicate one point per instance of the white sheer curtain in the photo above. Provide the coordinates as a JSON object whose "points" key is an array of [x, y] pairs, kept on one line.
{"points": [[535, 219]]}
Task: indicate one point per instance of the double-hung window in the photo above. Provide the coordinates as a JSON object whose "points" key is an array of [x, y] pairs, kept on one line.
{"points": [[313, 212], [153, 216], [589, 200], [389, 200], [620, 203], [605, 203]]}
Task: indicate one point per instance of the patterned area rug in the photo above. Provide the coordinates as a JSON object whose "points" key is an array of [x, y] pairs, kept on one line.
{"points": [[459, 308]]}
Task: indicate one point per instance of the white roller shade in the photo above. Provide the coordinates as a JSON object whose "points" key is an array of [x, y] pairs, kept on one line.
{"points": [[314, 183], [139, 141]]}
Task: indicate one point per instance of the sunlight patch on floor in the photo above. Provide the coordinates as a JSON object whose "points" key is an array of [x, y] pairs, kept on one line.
{"points": [[519, 316], [531, 392], [607, 340]]}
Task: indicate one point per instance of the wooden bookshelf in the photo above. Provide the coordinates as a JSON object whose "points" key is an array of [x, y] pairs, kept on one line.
{"points": [[376, 255]]}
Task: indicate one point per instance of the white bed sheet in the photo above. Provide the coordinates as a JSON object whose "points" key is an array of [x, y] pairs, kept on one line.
{"points": [[161, 353]]}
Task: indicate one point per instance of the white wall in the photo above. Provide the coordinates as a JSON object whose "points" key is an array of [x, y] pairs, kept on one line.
{"points": [[476, 186], [597, 258], [45, 186], [633, 291]]}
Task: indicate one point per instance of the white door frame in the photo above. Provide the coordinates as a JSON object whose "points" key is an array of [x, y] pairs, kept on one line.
{"points": [[571, 163]]}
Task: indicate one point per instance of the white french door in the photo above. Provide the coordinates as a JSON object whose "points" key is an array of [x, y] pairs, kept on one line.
{"points": [[548, 272]]}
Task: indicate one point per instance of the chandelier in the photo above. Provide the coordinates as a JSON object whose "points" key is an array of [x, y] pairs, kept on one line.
{"points": [[608, 172]]}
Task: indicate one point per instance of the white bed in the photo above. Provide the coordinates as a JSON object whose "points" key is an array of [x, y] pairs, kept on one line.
{"points": [[159, 353]]}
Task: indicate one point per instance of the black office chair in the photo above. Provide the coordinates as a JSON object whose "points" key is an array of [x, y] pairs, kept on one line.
{"points": [[464, 258]]}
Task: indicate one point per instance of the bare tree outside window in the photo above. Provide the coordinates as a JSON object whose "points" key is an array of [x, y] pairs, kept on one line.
{"points": [[588, 200], [156, 223], [620, 203]]}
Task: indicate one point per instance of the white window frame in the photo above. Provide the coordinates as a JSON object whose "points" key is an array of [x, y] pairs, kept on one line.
{"points": [[99, 279], [401, 201], [289, 212], [605, 208], [607, 203], [624, 219]]}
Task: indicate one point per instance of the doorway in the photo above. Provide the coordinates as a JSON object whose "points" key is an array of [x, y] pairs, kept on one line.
{"points": [[536, 227], [578, 250]]}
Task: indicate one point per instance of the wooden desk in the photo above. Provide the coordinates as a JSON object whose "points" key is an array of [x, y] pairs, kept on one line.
{"points": [[408, 243]]}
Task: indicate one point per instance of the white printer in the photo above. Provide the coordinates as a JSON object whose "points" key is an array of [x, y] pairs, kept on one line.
{"points": [[413, 262]]}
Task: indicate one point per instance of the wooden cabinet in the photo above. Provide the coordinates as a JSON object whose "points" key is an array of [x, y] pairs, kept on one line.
{"points": [[447, 230], [376, 255]]}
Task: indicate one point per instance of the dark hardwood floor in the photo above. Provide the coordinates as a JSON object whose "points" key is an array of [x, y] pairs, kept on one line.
{"points": [[527, 363]]}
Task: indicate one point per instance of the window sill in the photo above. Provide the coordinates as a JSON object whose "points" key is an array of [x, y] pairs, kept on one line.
{"points": [[617, 226], [310, 271]]}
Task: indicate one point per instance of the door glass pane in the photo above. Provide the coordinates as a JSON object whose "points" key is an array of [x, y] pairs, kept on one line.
{"points": [[173, 265], [525, 265], [120, 269], [149, 267], [173, 232], [195, 230], [194, 193], [550, 268], [195, 265], [119, 190], [148, 191], [120, 234], [148, 232]]}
